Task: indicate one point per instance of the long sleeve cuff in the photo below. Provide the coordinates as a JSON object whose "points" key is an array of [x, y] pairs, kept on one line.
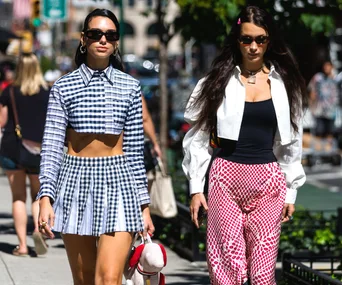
{"points": [[144, 198], [291, 195], [46, 190], [196, 185]]}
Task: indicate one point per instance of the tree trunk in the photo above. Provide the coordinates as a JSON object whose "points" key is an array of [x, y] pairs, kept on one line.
{"points": [[163, 64], [164, 100]]}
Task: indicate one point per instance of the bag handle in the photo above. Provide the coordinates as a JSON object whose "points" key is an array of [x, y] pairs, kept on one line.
{"points": [[15, 113], [161, 166]]}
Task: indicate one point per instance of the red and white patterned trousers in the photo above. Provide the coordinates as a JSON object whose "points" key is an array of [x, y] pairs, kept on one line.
{"points": [[244, 222]]}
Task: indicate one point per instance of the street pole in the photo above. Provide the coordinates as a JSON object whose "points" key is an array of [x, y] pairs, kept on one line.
{"points": [[122, 28]]}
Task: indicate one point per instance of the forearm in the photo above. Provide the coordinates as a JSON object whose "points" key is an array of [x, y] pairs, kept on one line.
{"points": [[133, 146], [150, 130]]}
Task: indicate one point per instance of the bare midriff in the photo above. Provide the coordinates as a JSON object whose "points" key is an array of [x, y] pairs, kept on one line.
{"points": [[93, 145]]}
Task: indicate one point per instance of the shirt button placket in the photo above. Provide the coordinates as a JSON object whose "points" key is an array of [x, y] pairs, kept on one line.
{"points": [[103, 101], [106, 104]]}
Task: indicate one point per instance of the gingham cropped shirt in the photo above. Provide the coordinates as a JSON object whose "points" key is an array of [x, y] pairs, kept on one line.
{"points": [[98, 102]]}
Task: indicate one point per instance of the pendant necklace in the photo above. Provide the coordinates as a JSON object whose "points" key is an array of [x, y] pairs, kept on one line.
{"points": [[251, 79]]}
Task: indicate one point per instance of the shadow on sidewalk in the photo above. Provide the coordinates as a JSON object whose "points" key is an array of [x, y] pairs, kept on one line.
{"points": [[200, 279], [8, 248], [5, 216], [190, 277], [7, 229]]}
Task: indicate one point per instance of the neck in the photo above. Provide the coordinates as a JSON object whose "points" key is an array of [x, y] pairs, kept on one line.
{"points": [[252, 67], [98, 64]]}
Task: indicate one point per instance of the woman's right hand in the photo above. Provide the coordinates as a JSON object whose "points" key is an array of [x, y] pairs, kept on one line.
{"points": [[197, 200], [46, 218]]}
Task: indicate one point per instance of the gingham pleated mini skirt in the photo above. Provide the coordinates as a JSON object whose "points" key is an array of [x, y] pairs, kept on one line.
{"points": [[96, 195]]}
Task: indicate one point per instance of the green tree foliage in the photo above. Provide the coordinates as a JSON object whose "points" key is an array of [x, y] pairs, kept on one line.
{"points": [[210, 20], [207, 20], [305, 26], [318, 23]]}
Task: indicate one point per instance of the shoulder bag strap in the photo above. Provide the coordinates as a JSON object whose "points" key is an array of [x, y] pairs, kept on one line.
{"points": [[15, 113]]}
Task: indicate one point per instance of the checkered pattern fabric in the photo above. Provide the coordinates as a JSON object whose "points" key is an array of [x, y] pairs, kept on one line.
{"points": [[106, 102], [244, 222], [96, 195]]}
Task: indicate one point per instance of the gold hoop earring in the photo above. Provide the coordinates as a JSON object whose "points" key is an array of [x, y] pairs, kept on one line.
{"points": [[116, 51], [83, 49]]}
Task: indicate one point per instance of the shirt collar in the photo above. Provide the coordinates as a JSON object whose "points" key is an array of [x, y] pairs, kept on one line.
{"points": [[87, 73], [273, 71]]}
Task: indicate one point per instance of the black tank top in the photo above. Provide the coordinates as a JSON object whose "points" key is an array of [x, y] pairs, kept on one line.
{"points": [[255, 143]]}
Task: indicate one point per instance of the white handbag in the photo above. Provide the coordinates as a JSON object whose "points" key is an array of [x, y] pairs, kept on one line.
{"points": [[163, 201]]}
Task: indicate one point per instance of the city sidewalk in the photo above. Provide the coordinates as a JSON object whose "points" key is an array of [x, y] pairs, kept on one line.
{"points": [[53, 268]]}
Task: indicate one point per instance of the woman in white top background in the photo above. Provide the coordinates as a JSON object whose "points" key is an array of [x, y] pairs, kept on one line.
{"points": [[249, 106]]}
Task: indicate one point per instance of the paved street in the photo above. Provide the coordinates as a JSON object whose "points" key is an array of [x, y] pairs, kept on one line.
{"points": [[53, 269], [323, 188]]}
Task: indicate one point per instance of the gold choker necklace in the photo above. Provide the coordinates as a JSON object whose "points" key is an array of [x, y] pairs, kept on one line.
{"points": [[251, 79]]}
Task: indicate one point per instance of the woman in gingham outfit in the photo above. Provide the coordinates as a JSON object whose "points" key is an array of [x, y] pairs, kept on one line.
{"points": [[95, 195], [249, 106]]}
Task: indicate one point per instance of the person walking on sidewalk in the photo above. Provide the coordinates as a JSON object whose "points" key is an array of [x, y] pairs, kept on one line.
{"points": [[30, 96], [96, 194], [324, 100], [250, 104]]}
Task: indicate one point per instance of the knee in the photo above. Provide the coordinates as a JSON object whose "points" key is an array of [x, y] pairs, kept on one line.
{"points": [[107, 278]]}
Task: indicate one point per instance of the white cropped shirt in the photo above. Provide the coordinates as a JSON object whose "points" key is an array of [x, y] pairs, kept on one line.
{"points": [[287, 145]]}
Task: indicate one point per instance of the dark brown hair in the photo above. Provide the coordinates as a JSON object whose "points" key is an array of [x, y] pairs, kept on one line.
{"points": [[213, 87], [115, 61]]}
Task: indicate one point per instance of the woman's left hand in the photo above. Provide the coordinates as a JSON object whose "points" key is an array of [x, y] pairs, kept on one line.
{"points": [[288, 211], [148, 224], [156, 150]]}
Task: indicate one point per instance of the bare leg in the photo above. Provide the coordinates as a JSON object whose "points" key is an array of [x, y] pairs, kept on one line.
{"points": [[81, 252], [34, 183], [17, 181], [112, 253], [40, 245]]}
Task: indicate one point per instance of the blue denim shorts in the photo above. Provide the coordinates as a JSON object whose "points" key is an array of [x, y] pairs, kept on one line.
{"points": [[8, 164]]}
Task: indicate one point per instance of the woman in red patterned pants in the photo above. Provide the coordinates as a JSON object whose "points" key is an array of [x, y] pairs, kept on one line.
{"points": [[248, 108]]}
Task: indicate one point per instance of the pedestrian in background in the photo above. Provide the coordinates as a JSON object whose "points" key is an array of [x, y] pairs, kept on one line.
{"points": [[7, 77], [250, 105], [30, 95], [96, 194], [324, 99], [151, 146]]}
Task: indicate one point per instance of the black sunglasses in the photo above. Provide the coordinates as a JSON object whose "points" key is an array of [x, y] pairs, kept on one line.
{"points": [[247, 40], [96, 34]]}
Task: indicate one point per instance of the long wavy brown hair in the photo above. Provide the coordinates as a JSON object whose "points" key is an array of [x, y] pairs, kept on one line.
{"points": [[278, 53]]}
